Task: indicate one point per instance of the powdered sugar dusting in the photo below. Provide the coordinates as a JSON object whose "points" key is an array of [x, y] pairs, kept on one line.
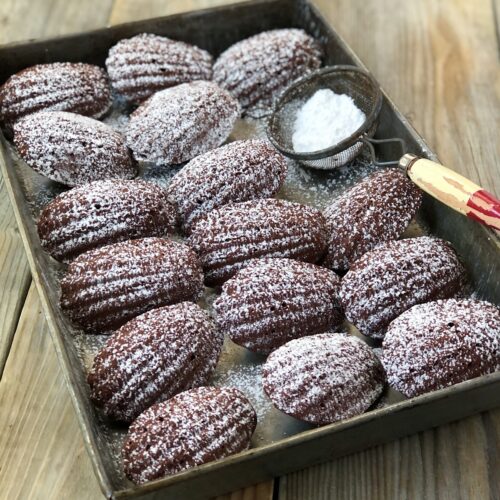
{"points": [[179, 123], [238, 171], [118, 116], [248, 379], [272, 301], [377, 209], [101, 213], [155, 355], [105, 287], [387, 281], [77, 87], [231, 235], [72, 149], [438, 344], [192, 428], [147, 63], [258, 69], [319, 188], [323, 378]]}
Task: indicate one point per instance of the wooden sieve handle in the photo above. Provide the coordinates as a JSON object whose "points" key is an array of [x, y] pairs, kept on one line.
{"points": [[453, 190]]}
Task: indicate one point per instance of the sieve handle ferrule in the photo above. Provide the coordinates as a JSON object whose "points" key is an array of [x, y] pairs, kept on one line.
{"points": [[454, 190]]}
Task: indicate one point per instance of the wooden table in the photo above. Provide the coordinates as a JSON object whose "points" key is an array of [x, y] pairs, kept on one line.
{"points": [[439, 62]]}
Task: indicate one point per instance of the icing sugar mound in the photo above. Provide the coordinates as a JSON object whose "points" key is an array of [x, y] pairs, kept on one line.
{"points": [[441, 343], [325, 120]]}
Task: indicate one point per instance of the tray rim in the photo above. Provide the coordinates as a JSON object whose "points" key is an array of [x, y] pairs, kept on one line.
{"points": [[12, 183]]}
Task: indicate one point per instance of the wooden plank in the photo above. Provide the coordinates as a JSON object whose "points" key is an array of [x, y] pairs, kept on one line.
{"points": [[14, 275], [25, 19], [130, 10], [261, 491], [450, 462], [43, 455]]}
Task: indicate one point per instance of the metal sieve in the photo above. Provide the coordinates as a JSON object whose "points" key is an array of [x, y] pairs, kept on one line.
{"points": [[444, 184], [349, 80]]}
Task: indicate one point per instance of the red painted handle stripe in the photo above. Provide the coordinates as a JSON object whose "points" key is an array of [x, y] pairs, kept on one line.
{"points": [[485, 208]]}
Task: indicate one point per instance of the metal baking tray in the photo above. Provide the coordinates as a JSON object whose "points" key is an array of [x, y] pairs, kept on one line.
{"points": [[281, 444]]}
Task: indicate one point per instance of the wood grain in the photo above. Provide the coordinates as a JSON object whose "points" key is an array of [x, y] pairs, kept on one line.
{"points": [[261, 491], [438, 61], [25, 19], [456, 461], [43, 455], [14, 275], [131, 10]]}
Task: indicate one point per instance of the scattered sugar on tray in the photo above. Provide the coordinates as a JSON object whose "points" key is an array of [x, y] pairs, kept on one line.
{"points": [[117, 118], [319, 188], [324, 120], [87, 346], [248, 379]]}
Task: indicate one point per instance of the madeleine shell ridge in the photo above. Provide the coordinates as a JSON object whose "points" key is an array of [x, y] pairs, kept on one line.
{"points": [[396, 275], [153, 357], [236, 172], [106, 287], [228, 237], [192, 428], [438, 344], [101, 213], [272, 301], [323, 378]]}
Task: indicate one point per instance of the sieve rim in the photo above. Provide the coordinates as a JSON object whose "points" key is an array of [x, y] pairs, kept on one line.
{"points": [[340, 146]]}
